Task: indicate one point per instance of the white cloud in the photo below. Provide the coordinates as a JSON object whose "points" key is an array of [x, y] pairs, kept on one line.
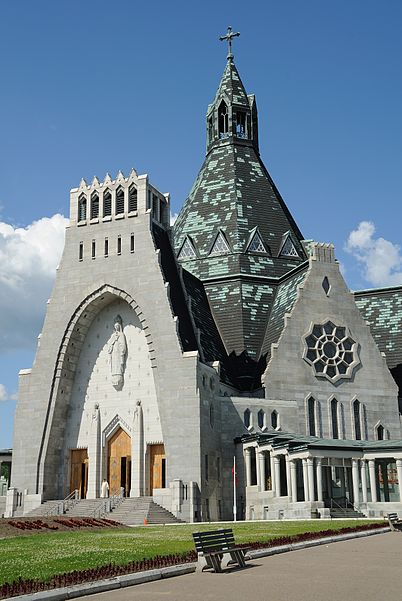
{"points": [[28, 260], [5, 396], [381, 259], [173, 218]]}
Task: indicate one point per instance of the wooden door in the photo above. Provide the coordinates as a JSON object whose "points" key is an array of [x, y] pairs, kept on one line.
{"points": [[158, 466], [79, 471], [119, 462]]}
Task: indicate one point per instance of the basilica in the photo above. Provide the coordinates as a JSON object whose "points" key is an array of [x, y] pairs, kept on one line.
{"points": [[220, 366]]}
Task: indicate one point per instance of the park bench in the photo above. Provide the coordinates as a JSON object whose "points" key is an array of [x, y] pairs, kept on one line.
{"points": [[215, 545], [394, 522]]}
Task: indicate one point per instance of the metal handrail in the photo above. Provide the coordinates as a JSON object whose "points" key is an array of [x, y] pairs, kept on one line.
{"points": [[107, 505], [348, 504], [65, 504]]}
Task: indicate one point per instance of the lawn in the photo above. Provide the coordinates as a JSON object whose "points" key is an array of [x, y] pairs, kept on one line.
{"points": [[43, 555]]}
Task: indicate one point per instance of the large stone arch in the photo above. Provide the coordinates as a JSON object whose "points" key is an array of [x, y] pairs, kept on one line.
{"points": [[48, 481]]}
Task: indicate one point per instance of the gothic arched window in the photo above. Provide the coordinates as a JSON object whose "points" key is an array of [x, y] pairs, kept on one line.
{"points": [[94, 205], [132, 198], [380, 432], [82, 208], [311, 416], [107, 203], [247, 418], [119, 200], [356, 419], [334, 418], [223, 120]]}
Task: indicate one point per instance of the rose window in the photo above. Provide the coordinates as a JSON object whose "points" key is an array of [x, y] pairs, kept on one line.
{"points": [[331, 351]]}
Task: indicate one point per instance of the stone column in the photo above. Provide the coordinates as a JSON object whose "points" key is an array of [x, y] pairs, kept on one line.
{"points": [[373, 486], [271, 459], [94, 454], [277, 471], [399, 471], [363, 479], [305, 480], [247, 453], [319, 479], [261, 471], [293, 480], [137, 453], [355, 481], [310, 469], [288, 481]]}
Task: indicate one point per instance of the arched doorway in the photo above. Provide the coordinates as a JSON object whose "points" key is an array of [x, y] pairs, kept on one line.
{"points": [[79, 472], [119, 463]]}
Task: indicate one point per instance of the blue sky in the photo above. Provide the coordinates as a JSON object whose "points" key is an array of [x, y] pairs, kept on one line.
{"points": [[94, 87]]}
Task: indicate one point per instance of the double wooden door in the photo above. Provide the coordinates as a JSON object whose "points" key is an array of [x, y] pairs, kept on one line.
{"points": [[119, 463], [79, 472]]}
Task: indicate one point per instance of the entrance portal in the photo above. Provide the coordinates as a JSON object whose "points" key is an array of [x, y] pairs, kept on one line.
{"points": [[79, 472], [158, 466], [119, 463]]}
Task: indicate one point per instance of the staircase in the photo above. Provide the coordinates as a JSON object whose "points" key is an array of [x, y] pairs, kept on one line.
{"points": [[130, 511], [345, 513], [135, 511]]}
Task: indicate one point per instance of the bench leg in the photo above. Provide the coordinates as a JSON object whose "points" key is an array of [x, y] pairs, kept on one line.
{"points": [[202, 563], [238, 557]]}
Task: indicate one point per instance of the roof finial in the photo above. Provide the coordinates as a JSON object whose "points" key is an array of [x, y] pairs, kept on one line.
{"points": [[229, 36]]}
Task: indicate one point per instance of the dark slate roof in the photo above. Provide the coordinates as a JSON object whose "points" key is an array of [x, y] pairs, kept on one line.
{"points": [[285, 298], [382, 310], [234, 192], [177, 296], [297, 442]]}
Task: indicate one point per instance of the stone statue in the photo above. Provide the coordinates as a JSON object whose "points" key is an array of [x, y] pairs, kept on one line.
{"points": [[118, 351]]}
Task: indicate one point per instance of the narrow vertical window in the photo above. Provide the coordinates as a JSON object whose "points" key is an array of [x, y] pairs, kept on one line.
{"points": [[274, 419], [155, 207], [107, 203], [210, 129], [356, 419], [106, 247], [240, 124], [94, 205], [311, 416], [334, 418], [380, 432], [119, 245], [223, 120], [247, 418], [132, 198], [119, 200], [132, 243], [82, 208], [81, 251], [149, 199], [261, 419], [93, 249]]}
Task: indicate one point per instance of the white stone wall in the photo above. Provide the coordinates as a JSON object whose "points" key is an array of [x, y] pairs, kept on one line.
{"points": [[289, 377]]}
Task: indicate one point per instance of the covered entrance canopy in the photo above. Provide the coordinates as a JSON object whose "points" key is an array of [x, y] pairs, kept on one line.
{"points": [[287, 470]]}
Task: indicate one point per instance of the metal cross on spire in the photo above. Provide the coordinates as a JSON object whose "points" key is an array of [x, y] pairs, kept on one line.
{"points": [[229, 36]]}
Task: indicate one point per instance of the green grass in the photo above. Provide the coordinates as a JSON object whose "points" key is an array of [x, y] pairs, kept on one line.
{"points": [[41, 556]]}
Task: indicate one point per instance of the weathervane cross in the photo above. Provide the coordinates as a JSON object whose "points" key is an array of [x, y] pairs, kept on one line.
{"points": [[229, 36]]}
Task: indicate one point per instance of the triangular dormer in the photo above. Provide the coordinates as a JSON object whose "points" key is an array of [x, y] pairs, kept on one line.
{"points": [[220, 246], [255, 244], [288, 248], [187, 250]]}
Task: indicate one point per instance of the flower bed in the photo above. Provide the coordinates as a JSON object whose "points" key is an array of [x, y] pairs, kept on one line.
{"points": [[21, 586]]}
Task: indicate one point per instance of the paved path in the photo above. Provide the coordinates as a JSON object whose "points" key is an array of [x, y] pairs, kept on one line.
{"points": [[365, 569]]}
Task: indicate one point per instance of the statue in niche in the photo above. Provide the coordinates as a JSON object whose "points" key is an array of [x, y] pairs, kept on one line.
{"points": [[117, 350]]}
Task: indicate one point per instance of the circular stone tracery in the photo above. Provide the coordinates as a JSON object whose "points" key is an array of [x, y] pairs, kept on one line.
{"points": [[331, 351]]}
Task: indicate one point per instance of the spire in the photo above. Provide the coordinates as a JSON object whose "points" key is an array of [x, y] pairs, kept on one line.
{"points": [[232, 116]]}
